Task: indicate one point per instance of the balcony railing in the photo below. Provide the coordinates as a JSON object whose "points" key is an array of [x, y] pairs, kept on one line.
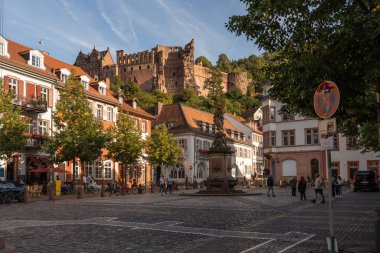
{"points": [[31, 104], [35, 141]]}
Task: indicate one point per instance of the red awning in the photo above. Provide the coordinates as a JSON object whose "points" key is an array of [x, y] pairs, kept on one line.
{"points": [[48, 169]]}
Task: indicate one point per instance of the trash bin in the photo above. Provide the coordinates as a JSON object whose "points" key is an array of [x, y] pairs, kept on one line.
{"points": [[58, 185]]}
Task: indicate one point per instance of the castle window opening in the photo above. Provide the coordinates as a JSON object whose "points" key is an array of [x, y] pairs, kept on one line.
{"points": [[148, 67], [139, 67]]}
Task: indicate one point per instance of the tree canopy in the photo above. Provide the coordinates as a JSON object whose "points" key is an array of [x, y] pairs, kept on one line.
{"points": [[12, 126], [316, 40], [77, 134], [162, 148], [205, 62]]}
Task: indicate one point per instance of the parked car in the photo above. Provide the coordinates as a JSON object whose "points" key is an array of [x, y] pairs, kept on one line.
{"points": [[366, 180], [9, 192]]}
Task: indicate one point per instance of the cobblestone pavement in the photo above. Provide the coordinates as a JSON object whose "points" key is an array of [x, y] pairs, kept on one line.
{"points": [[174, 223]]}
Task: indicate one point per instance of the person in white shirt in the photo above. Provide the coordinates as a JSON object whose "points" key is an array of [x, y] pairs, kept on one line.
{"points": [[85, 181], [318, 188]]}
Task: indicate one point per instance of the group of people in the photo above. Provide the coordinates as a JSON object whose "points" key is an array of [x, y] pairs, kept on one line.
{"points": [[168, 183], [301, 185]]}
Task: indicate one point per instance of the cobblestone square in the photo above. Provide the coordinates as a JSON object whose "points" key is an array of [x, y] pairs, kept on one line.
{"points": [[174, 223]]}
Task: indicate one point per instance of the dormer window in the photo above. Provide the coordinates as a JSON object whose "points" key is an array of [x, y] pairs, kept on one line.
{"points": [[35, 58], [3, 47], [64, 75], [102, 88], [36, 61], [85, 81]]}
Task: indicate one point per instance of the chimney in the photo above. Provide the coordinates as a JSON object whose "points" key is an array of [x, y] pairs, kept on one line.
{"points": [[158, 108]]}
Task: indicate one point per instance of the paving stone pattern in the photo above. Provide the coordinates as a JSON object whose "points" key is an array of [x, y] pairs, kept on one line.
{"points": [[174, 223]]}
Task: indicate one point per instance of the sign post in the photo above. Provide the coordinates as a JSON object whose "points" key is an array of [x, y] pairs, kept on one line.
{"points": [[326, 102]]}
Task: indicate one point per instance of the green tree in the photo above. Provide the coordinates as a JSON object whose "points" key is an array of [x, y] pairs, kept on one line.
{"points": [[234, 94], [77, 133], [131, 89], [205, 62], [313, 41], [162, 148], [116, 85], [126, 145], [224, 64], [12, 126]]}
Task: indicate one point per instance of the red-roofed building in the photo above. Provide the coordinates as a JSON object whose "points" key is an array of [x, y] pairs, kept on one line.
{"points": [[194, 131], [36, 79]]}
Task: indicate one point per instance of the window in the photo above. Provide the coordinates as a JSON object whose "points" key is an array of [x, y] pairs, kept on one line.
{"points": [[272, 138], [148, 67], [110, 114], [88, 169], [99, 112], [98, 170], [272, 114], [64, 78], [42, 128], [136, 123], [336, 142], [288, 138], [102, 90], [44, 94], [30, 126], [76, 170], [352, 143], [84, 84], [183, 144], [143, 126], [1, 49], [352, 168], [312, 136], [198, 145], [373, 166], [12, 85], [36, 61], [265, 115], [181, 172], [335, 171], [206, 145]]}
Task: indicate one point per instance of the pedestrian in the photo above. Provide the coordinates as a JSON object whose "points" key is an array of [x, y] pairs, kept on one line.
{"points": [[302, 188], [169, 185], [84, 181], [339, 183], [318, 188], [162, 185], [270, 184], [293, 185]]}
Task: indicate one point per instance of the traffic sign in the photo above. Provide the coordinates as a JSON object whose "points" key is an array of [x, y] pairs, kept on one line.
{"points": [[326, 99]]}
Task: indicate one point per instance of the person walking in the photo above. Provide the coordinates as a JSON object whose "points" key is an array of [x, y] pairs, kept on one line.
{"points": [[318, 188], [270, 184], [84, 182], [333, 186], [293, 185], [169, 184], [302, 188], [162, 185], [339, 183]]}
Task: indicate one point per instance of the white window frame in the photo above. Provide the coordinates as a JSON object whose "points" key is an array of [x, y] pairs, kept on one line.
{"points": [[110, 114], [99, 111], [13, 83], [143, 126], [44, 94], [42, 127], [107, 170], [36, 61]]}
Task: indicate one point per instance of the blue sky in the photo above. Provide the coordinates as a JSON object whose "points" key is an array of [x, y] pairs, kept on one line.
{"points": [[68, 26]]}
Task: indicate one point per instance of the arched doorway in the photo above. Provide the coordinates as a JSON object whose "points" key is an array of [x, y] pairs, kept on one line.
{"points": [[314, 167]]}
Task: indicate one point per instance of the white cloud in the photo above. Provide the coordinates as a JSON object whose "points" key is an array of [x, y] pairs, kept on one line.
{"points": [[68, 10]]}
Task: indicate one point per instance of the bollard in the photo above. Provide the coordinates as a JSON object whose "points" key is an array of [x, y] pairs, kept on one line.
{"points": [[26, 196], [6, 249], [102, 192], [377, 232], [79, 193]]}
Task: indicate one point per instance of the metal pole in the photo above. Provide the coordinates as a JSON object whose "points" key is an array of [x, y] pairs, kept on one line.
{"points": [[332, 238]]}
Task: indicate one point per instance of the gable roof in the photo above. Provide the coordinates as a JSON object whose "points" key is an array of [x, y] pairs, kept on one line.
{"points": [[248, 113]]}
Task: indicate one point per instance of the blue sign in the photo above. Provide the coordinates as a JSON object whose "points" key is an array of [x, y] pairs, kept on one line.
{"points": [[1, 172]]}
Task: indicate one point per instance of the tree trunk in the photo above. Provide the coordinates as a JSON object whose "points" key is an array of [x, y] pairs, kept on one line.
{"points": [[378, 114]]}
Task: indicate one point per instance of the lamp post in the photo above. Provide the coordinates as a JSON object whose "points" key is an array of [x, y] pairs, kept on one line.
{"points": [[102, 191]]}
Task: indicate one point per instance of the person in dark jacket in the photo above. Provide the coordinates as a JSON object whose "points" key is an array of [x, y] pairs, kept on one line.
{"points": [[270, 184], [293, 185], [302, 188]]}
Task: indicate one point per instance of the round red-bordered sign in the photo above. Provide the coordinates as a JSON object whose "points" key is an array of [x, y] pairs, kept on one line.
{"points": [[326, 99]]}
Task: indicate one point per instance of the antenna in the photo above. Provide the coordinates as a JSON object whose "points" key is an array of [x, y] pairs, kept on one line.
{"points": [[2, 16]]}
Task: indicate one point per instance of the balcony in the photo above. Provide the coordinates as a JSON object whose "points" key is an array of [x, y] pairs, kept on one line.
{"points": [[31, 104], [35, 141]]}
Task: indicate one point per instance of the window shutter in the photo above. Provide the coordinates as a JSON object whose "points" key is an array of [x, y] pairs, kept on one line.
{"points": [[50, 97], [30, 90], [38, 92], [6, 83], [20, 89]]}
